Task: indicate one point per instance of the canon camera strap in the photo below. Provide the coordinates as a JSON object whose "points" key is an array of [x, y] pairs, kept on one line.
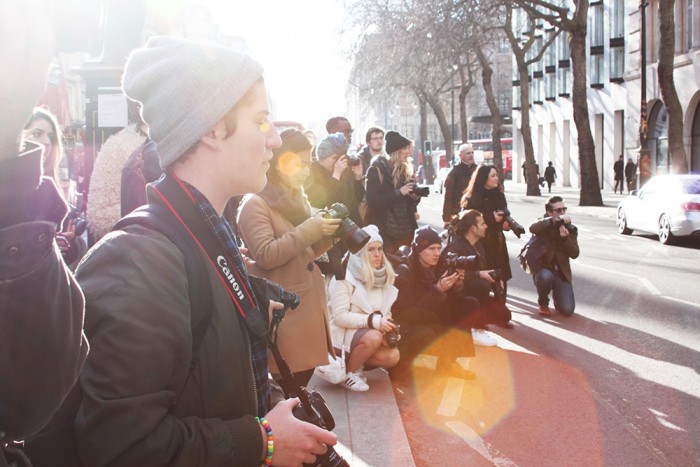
{"points": [[179, 201]]}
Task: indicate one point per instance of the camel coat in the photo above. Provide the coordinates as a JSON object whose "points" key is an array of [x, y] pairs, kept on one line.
{"points": [[285, 254]]}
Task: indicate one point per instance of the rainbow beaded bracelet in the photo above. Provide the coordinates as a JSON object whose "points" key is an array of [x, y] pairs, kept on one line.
{"points": [[270, 440]]}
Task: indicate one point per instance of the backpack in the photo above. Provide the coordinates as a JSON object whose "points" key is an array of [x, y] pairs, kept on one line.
{"points": [[55, 445], [532, 254]]}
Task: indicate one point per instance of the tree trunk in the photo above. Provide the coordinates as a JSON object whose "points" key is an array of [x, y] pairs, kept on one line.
{"points": [[667, 47], [590, 188], [463, 126], [533, 186], [486, 74], [436, 106], [423, 118]]}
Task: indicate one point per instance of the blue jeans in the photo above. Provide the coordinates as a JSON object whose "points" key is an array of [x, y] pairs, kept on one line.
{"points": [[563, 292]]}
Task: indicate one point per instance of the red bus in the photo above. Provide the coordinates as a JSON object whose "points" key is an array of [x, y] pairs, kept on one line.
{"points": [[483, 152]]}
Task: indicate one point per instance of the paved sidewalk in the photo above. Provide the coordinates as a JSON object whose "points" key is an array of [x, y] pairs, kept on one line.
{"points": [[368, 424], [571, 197]]}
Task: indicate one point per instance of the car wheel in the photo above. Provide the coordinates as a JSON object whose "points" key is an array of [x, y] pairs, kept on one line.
{"points": [[665, 235], [622, 222]]}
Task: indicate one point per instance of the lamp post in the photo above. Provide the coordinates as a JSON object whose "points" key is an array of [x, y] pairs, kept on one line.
{"points": [[643, 158]]}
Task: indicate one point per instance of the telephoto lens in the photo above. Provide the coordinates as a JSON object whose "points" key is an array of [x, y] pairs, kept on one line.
{"points": [[422, 191], [352, 236]]}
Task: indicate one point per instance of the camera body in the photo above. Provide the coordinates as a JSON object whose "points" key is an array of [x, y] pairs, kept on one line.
{"points": [[517, 229], [353, 237], [353, 161], [453, 262], [421, 191], [497, 275], [559, 221], [392, 337]]}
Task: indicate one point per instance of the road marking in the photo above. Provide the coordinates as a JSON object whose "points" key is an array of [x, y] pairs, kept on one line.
{"points": [[451, 397], [650, 287], [478, 444]]}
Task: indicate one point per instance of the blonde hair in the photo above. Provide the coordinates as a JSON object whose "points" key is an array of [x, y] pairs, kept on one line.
{"points": [[368, 272], [401, 172], [49, 162]]}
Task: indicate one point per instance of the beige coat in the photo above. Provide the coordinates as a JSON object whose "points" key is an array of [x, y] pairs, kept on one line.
{"points": [[285, 254]]}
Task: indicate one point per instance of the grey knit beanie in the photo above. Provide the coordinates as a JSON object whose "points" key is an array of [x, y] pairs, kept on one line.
{"points": [[335, 143], [185, 87]]}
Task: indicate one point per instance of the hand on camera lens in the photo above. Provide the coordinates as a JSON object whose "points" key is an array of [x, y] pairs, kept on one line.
{"points": [[296, 442], [486, 275], [406, 189], [386, 325], [498, 215]]}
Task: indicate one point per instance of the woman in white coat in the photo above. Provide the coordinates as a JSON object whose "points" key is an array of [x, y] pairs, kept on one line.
{"points": [[360, 307]]}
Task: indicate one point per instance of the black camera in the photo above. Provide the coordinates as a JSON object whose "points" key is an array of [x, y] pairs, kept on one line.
{"points": [[422, 191], [453, 261], [353, 161], [517, 229], [497, 275], [312, 407], [559, 221], [353, 237], [392, 337]]}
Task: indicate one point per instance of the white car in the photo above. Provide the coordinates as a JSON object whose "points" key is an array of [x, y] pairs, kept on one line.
{"points": [[667, 205]]}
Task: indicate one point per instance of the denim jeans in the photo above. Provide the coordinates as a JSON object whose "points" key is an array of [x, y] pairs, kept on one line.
{"points": [[563, 292]]}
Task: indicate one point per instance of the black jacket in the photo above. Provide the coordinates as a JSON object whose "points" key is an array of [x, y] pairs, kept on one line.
{"points": [[323, 190], [455, 184], [42, 345], [417, 290], [495, 241]]}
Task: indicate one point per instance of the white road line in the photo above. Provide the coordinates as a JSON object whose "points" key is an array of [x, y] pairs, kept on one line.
{"points": [[478, 444], [650, 287], [451, 397]]}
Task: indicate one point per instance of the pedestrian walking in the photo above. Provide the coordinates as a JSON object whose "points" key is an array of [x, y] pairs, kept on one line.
{"points": [[619, 169], [550, 174], [630, 174]]}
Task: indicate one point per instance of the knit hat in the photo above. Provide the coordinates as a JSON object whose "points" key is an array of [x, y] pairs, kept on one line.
{"points": [[185, 87], [394, 141], [334, 143], [373, 233], [423, 238]]}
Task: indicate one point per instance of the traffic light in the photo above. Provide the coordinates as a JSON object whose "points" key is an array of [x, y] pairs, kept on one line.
{"points": [[427, 148]]}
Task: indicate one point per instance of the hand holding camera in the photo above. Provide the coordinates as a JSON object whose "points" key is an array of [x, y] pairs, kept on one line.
{"points": [[407, 189], [393, 336], [328, 226]]}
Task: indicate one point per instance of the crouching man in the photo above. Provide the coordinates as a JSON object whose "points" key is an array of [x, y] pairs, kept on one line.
{"points": [[556, 243]]}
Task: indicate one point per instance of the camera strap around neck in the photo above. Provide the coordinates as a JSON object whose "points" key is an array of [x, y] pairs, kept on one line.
{"points": [[183, 206]]}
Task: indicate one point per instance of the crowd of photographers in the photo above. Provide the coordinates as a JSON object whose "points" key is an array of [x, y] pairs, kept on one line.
{"points": [[194, 357]]}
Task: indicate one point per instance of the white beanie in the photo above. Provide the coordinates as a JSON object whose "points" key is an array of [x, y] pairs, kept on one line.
{"points": [[185, 87]]}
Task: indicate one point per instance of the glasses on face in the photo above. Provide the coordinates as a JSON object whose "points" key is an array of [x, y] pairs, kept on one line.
{"points": [[376, 138], [559, 210]]}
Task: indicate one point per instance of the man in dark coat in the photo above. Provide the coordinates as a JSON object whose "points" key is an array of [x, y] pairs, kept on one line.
{"points": [[422, 308], [619, 169], [630, 174], [457, 181]]}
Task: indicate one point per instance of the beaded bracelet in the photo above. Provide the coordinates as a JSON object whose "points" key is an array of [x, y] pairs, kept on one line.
{"points": [[270, 440]]}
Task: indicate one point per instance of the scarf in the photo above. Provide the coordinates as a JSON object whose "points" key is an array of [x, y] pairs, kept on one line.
{"points": [[355, 267], [292, 204], [258, 345]]}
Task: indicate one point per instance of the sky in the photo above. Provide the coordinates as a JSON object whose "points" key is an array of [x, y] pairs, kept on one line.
{"points": [[299, 45]]}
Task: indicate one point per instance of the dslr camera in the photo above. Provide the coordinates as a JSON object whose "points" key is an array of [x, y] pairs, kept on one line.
{"points": [[559, 221], [421, 191], [353, 161], [352, 236], [517, 229], [453, 262], [497, 275], [392, 337]]}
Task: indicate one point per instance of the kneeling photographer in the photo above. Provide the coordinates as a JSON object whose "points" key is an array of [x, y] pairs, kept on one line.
{"points": [[469, 229], [422, 308], [555, 241]]}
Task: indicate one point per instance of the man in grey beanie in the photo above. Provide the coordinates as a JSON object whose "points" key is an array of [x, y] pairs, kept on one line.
{"points": [[151, 395]]}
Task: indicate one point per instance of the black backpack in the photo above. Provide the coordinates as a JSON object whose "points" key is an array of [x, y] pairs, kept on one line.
{"points": [[55, 445]]}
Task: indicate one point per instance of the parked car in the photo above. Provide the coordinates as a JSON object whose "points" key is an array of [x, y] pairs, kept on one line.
{"points": [[667, 205]]}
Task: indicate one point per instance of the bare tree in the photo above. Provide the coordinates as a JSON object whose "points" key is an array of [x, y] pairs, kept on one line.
{"points": [[486, 74], [667, 47], [576, 27]]}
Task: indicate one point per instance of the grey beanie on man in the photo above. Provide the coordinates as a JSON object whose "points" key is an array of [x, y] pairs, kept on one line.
{"points": [[184, 88]]}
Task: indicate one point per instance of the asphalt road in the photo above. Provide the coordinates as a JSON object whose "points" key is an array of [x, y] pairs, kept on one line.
{"points": [[617, 384]]}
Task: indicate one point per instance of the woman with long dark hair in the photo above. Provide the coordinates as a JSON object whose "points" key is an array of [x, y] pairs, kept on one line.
{"points": [[485, 194]]}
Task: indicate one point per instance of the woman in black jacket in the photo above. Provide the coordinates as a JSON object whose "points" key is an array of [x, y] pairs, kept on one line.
{"points": [[484, 194], [391, 203]]}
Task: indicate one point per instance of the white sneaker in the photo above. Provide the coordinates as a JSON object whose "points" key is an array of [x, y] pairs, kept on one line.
{"points": [[483, 338], [361, 373], [353, 382]]}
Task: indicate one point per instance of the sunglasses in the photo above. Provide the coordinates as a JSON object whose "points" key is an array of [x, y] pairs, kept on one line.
{"points": [[559, 210]]}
